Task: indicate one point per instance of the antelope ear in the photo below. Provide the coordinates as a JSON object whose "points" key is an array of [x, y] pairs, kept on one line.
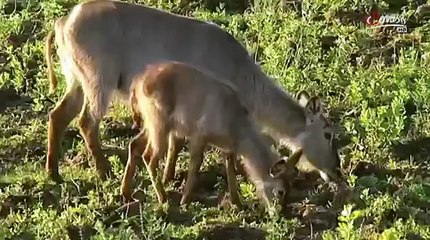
{"points": [[271, 141], [285, 166], [303, 97], [314, 106], [278, 169], [294, 159], [335, 129]]}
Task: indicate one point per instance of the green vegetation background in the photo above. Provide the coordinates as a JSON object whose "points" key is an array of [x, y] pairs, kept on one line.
{"points": [[377, 86]]}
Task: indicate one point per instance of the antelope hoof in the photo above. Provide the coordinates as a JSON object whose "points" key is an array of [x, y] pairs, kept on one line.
{"points": [[185, 200], [56, 177], [125, 192], [135, 126], [126, 197], [105, 170], [167, 178], [138, 195], [236, 202], [140, 163], [162, 198], [105, 173]]}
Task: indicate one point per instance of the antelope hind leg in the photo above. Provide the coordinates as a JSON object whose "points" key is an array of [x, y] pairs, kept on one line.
{"points": [[89, 128], [59, 118]]}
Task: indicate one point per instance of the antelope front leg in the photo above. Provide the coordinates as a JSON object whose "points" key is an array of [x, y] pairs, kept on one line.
{"points": [[175, 146], [135, 150], [231, 179], [197, 147]]}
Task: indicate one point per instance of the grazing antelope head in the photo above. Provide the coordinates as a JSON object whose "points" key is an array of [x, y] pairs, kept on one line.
{"points": [[317, 140], [319, 146], [282, 174]]}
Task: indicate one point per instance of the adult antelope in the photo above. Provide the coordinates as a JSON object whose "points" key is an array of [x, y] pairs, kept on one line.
{"points": [[104, 46]]}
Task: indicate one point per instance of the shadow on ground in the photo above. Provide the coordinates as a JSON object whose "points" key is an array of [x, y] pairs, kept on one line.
{"points": [[417, 149], [74, 193], [10, 98], [231, 231]]}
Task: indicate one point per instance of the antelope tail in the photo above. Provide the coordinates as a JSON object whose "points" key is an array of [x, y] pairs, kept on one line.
{"points": [[48, 57]]}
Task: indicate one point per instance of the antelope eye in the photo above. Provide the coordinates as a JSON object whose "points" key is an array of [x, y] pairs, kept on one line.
{"points": [[327, 136], [280, 193]]}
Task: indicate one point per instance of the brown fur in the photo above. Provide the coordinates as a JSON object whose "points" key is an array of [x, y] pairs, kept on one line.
{"points": [[177, 99]]}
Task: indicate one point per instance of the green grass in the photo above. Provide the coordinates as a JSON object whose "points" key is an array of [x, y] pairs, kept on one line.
{"points": [[381, 103]]}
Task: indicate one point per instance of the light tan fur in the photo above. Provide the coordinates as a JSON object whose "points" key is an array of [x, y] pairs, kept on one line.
{"points": [[51, 76], [104, 46], [304, 165], [178, 99]]}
